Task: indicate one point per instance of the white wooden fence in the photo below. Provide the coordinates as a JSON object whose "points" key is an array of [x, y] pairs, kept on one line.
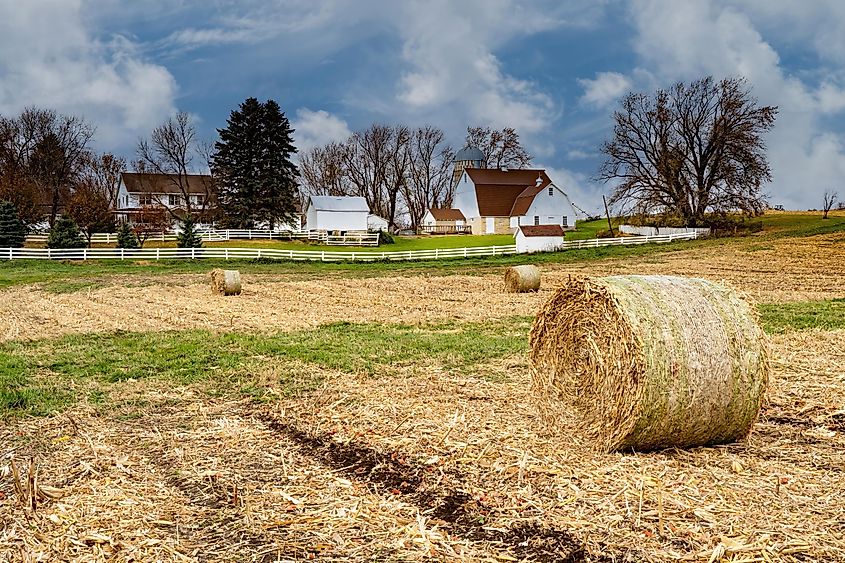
{"points": [[315, 255], [221, 235]]}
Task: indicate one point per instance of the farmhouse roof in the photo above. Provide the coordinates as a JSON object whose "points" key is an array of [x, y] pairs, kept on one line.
{"points": [[143, 182], [338, 203], [497, 190], [446, 214], [542, 230]]}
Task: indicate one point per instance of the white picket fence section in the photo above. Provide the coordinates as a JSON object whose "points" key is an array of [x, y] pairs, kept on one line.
{"points": [[222, 235], [315, 255], [248, 254]]}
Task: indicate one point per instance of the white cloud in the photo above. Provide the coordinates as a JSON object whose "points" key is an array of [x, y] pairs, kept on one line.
{"points": [[313, 128], [685, 40], [605, 89], [51, 60]]}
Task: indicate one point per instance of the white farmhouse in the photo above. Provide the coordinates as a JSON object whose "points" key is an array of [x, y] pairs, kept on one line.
{"points": [[497, 201], [334, 213], [140, 190], [540, 238]]}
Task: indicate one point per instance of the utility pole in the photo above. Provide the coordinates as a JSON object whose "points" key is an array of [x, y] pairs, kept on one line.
{"points": [[606, 212]]}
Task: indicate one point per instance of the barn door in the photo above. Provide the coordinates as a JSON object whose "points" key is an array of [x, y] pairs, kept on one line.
{"points": [[491, 225]]}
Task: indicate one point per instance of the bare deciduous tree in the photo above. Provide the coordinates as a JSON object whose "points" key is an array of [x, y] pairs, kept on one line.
{"points": [[89, 207], [44, 153], [429, 174], [502, 149], [151, 220], [322, 170], [171, 150], [103, 174], [829, 201], [689, 150]]}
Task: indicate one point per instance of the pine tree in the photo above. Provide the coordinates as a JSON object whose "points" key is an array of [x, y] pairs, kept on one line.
{"points": [[12, 230], [65, 234], [126, 238], [256, 178], [188, 237]]}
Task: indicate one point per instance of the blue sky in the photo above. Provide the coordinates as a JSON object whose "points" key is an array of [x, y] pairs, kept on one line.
{"points": [[554, 70]]}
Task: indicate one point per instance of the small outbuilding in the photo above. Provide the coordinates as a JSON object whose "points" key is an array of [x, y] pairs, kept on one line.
{"points": [[336, 213], [444, 221], [376, 223], [538, 238]]}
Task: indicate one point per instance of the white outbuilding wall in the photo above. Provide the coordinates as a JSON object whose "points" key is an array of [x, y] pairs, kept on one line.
{"points": [[329, 213], [526, 244]]}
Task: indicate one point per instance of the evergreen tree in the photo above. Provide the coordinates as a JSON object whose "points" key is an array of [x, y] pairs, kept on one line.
{"points": [[255, 176], [126, 238], [65, 234], [188, 237], [12, 230]]}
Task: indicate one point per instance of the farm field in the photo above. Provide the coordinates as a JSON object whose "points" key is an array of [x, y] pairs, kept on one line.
{"points": [[384, 412]]}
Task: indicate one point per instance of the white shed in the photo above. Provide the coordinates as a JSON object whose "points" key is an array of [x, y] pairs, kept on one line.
{"points": [[538, 238], [336, 213], [376, 223]]}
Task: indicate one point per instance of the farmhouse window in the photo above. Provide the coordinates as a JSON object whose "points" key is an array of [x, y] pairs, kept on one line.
{"points": [[145, 199], [536, 220], [199, 200], [173, 200], [551, 191]]}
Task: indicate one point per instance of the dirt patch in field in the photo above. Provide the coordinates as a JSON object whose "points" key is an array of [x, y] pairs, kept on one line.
{"points": [[768, 271]]}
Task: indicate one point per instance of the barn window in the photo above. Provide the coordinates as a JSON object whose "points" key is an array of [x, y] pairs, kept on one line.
{"points": [[563, 221], [551, 191], [536, 220]]}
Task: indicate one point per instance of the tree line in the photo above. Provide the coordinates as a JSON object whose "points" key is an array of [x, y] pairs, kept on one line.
{"points": [[402, 171]]}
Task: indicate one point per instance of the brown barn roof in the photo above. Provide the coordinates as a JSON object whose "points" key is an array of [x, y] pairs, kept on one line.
{"points": [[445, 214], [497, 190], [542, 230], [137, 182]]}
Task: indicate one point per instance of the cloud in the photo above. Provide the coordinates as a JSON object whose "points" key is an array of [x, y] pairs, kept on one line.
{"points": [[605, 89], [314, 128], [51, 60]]}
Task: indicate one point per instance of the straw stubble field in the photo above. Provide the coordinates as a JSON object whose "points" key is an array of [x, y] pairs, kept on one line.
{"points": [[423, 457]]}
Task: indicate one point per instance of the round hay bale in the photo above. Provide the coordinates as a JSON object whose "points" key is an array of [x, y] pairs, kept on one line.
{"points": [[225, 282], [650, 362], [519, 279]]}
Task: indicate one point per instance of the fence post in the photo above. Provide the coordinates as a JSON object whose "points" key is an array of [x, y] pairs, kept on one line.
{"points": [[85, 254], [48, 254], [353, 256], [10, 253], [226, 252], [323, 256], [249, 232], [465, 252], [436, 253], [192, 253], [121, 253], [259, 254]]}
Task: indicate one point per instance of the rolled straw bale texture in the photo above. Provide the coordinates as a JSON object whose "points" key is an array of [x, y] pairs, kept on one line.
{"points": [[226, 282], [519, 279], [650, 362]]}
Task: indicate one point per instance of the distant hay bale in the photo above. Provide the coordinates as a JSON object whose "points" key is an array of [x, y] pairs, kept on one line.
{"points": [[650, 362], [225, 282], [519, 279]]}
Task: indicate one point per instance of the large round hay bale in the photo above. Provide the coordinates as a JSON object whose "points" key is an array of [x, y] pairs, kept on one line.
{"points": [[519, 279], [650, 362], [225, 282]]}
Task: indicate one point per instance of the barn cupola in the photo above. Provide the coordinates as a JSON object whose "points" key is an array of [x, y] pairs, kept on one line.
{"points": [[467, 157]]}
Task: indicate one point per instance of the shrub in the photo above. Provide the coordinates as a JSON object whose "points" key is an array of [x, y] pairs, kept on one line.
{"points": [[385, 238], [12, 230], [65, 234], [126, 238], [188, 237]]}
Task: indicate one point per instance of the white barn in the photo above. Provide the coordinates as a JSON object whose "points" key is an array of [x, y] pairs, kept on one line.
{"points": [[336, 213], [539, 238], [497, 201]]}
